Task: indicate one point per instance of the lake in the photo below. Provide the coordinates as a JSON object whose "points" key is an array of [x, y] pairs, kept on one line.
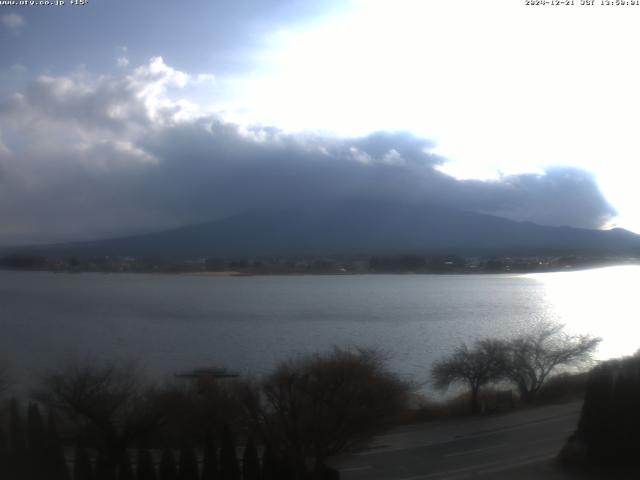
{"points": [[171, 323]]}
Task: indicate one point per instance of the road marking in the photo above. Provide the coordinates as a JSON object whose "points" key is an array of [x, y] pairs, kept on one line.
{"points": [[355, 469], [467, 452]]}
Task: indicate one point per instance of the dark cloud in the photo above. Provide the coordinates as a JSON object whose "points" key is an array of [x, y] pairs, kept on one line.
{"points": [[118, 155], [560, 196]]}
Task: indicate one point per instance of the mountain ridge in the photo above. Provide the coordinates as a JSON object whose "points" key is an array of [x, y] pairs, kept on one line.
{"points": [[353, 228]]}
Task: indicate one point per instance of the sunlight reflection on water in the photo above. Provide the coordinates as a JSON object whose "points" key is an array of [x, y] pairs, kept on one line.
{"points": [[602, 302]]}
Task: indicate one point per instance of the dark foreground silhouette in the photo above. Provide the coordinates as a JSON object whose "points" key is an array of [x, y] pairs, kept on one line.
{"points": [[607, 438]]}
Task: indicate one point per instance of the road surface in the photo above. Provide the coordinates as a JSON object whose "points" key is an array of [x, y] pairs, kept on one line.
{"points": [[516, 445]]}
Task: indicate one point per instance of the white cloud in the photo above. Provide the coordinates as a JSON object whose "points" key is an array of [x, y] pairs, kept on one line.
{"points": [[12, 21], [149, 96], [151, 83], [122, 62]]}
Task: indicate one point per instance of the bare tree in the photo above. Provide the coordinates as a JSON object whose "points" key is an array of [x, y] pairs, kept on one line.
{"points": [[104, 400], [533, 356], [477, 366], [195, 410], [323, 404]]}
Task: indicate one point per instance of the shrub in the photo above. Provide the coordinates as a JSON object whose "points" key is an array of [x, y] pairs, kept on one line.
{"points": [[323, 404], [562, 387], [609, 423]]}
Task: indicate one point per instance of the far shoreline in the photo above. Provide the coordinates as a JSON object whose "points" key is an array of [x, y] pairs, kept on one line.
{"points": [[226, 273], [236, 273]]}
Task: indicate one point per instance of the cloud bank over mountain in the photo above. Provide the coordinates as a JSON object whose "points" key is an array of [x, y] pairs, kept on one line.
{"points": [[86, 156]]}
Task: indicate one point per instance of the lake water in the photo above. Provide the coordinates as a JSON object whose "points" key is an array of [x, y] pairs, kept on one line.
{"points": [[171, 323]]}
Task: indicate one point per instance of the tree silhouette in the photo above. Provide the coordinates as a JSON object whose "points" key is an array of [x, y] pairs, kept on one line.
{"points": [[168, 470], [54, 453], [476, 366], [210, 469], [106, 398], [250, 461], [146, 469], [36, 442], [4, 455], [36, 438], [269, 464], [188, 464], [4, 383], [82, 468], [17, 442], [105, 470], [229, 468], [16, 426], [125, 471], [534, 356], [323, 404], [286, 470], [610, 420]]}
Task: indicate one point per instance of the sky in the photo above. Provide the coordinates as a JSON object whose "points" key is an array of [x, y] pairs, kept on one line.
{"points": [[120, 117]]}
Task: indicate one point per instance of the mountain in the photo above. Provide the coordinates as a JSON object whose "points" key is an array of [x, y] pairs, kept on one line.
{"points": [[355, 228]]}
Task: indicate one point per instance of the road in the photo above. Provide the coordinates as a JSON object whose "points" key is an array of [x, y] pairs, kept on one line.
{"points": [[516, 445]]}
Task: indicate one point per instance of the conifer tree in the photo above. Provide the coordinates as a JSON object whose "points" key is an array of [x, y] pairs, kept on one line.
{"points": [[82, 467], [36, 438], [4, 455], [17, 440], [36, 443], [188, 464], [125, 471], [269, 464], [250, 461], [168, 470], [229, 468], [55, 461], [210, 462], [146, 469], [17, 443], [285, 472], [104, 468], [331, 474]]}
